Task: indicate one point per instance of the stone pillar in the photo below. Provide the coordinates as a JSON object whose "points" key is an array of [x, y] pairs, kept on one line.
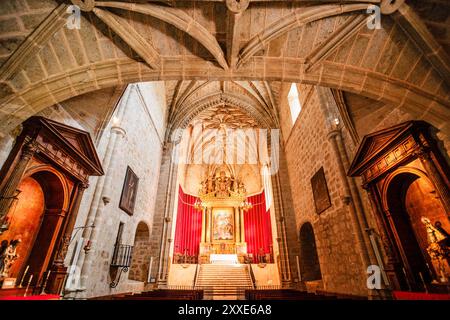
{"points": [[170, 194], [97, 209], [282, 236], [94, 215], [356, 198], [359, 235], [9, 191], [442, 188]]}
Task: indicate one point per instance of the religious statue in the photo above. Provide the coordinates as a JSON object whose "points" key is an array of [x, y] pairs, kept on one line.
{"points": [[8, 256], [438, 249], [3, 247], [223, 184], [241, 189]]}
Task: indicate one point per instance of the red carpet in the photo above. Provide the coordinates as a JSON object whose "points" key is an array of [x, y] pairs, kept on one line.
{"points": [[37, 297], [405, 295]]}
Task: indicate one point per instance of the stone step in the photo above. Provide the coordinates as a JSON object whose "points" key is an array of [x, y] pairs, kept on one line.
{"points": [[221, 281]]}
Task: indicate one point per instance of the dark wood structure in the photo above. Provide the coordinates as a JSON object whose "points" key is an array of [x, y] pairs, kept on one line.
{"points": [[60, 159], [407, 178]]}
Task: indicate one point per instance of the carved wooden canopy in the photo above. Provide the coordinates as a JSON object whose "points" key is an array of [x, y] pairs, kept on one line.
{"points": [[70, 148], [388, 148]]}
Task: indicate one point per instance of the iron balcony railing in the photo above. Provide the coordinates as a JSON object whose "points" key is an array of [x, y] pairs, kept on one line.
{"points": [[122, 256]]}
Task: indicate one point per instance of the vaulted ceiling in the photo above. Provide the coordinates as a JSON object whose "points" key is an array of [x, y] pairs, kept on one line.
{"points": [[215, 52]]}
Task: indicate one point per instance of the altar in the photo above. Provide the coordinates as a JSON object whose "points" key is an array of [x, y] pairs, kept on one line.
{"points": [[222, 199], [223, 259]]}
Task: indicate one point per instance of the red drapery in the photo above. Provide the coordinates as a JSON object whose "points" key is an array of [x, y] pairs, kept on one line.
{"points": [[188, 230], [257, 228]]}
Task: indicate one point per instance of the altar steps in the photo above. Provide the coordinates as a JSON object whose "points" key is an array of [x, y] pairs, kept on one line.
{"points": [[223, 281]]}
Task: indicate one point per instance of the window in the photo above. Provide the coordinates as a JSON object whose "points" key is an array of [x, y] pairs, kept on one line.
{"points": [[294, 102]]}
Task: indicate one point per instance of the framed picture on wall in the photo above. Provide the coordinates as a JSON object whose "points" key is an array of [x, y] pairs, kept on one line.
{"points": [[129, 191], [320, 191]]}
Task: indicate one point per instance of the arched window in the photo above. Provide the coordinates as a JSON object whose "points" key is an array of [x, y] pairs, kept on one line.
{"points": [[294, 102]]}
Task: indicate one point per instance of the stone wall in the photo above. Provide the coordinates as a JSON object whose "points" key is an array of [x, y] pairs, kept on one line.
{"points": [[141, 149], [307, 150]]}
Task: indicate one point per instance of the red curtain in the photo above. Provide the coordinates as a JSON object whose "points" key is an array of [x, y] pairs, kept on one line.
{"points": [[188, 230], [257, 228]]}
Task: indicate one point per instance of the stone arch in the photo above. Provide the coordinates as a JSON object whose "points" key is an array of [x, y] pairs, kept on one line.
{"points": [[413, 99], [408, 196], [37, 219], [309, 259], [140, 260], [185, 115]]}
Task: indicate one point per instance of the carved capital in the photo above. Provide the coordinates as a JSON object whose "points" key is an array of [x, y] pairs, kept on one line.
{"points": [[84, 185], [237, 6], [118, 130], [84, 5], [29, 149], [333, 133], [423, 153]]}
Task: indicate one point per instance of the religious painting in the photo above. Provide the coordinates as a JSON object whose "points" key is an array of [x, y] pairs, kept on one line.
{"points": [[320, 191], [223, 224], [129, 191]]}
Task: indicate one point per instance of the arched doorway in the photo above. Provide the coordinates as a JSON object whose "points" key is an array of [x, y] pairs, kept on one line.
{"points": [[309, 260], [410, 198], [141, 254], [35, 219]]}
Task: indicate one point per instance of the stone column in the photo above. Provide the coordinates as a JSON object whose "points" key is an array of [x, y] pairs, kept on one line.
{"points": [[96, 208], [426, 159], [9, 191], [359, 236], [96, 219], [282, 236], [170, 194], [356, 199]]}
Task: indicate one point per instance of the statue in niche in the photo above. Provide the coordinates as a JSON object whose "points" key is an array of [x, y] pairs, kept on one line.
{"points": [[8, 256], [438, 249]]}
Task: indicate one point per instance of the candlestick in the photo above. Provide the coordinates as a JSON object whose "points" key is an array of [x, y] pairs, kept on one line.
{"points": [[28, 285], [24, 275], [45, 283]]}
